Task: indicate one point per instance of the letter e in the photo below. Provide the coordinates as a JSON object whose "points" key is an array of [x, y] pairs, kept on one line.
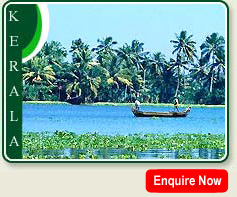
{"points": [[14, 40], [156, 180]]}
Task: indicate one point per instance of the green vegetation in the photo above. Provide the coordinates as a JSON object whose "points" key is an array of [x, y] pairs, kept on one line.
{"points": [[157, 105], [35, 143], [127, 104], [46, 102], [123, 74]]}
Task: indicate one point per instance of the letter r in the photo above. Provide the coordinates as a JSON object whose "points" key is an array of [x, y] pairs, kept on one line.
{"points": [[13, 65]]}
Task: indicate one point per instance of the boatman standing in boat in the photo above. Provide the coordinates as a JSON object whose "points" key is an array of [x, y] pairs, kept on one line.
{"points": [[176, 103], [137, 105]]}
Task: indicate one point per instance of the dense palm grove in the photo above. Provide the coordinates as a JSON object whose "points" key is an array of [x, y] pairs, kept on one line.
{"points": [[122, 74]]}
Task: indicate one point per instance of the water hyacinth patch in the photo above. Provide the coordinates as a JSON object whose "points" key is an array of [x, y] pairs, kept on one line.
{"points": [[68, 145]]}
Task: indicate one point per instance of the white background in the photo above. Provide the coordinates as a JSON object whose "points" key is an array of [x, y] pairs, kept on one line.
{"points": [[43, 180]]}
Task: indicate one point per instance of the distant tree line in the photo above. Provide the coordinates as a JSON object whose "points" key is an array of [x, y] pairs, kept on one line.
{"points": [[123, 74]]}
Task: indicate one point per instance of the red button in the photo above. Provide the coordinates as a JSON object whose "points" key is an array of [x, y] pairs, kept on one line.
{"points": [[187, 181]]}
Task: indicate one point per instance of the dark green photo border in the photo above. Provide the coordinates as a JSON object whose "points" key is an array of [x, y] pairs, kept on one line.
{"points": [[4, 149]]}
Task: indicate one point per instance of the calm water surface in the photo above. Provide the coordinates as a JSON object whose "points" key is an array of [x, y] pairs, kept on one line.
{"points": [[148, 154], [113, 120]]}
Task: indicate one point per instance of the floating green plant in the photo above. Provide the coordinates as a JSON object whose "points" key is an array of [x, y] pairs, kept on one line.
{"points": [[33, 143]]}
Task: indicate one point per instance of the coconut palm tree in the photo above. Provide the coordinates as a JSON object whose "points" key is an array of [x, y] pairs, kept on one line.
{"points": [[106, 73], [213, 50], [161, 78], [178, 66], [104, 50], [144, 64], [126, 56], [129, 59], [105, 45], [122, 81], [54, 52], [85, 72], [184, 48], [136, 60], [38, 79], [56, 55], [37, 71]]}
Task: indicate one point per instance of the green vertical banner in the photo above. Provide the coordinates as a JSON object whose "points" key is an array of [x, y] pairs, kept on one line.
{"points": [[21, 36]]}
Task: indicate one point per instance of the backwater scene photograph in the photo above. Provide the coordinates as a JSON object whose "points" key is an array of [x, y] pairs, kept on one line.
{"points": [[128, 82]]}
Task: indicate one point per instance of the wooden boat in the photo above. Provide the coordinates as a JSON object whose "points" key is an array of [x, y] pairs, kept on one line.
{"points": [[74, 100], [160, 114]]}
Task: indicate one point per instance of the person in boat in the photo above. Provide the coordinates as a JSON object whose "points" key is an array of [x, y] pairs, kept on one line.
{"points": [[68, 96], [137, 105], [176, 104], [188, 109]]}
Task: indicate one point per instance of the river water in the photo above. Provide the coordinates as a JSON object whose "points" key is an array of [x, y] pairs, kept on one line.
{"points": [[112, 120]]}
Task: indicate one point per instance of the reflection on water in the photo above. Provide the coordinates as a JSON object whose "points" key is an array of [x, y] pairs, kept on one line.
{"points": [[115, 153]]}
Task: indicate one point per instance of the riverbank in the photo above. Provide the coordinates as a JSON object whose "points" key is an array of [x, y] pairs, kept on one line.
{"points": [[46, 102], [35, 144], [126, 104]]}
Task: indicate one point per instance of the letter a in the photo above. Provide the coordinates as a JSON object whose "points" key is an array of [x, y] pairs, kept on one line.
{"points": [[14, 91], [12, 16], [12, 118], [14, 141]]}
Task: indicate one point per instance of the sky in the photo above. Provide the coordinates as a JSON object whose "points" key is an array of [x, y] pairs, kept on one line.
{"points": [[153, 24]]}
